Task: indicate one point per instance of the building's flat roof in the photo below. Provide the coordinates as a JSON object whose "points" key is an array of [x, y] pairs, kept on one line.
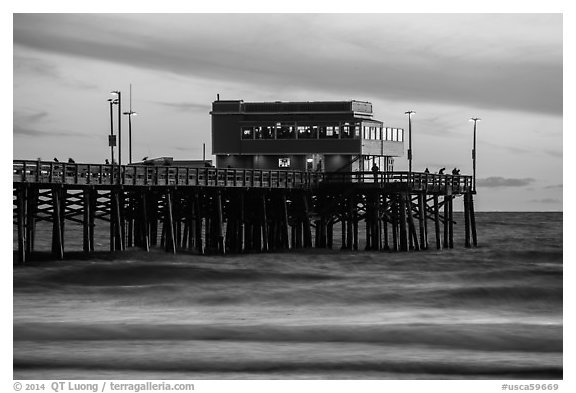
{"points": [[239, 106]]}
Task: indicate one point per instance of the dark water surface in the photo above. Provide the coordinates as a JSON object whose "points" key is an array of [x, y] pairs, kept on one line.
{"points": [[494, 312]]}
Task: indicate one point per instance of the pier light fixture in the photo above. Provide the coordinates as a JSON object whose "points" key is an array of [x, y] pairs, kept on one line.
{"points": [[118, 101], [130, 114], [475, 120], [410, 114], [111, 138]]}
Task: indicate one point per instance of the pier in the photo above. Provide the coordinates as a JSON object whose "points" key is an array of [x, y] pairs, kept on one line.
{"points": [[232, 210]]}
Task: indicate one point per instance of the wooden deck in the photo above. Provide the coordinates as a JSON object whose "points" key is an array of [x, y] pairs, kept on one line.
{"points": [[140, 175]]}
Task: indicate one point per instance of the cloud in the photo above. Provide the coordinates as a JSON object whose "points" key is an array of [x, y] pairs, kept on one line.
{"points": [[186, 106], [416, 58], [555, 186], [24, 131], [38, 67], [546, 200], [494, 182]]}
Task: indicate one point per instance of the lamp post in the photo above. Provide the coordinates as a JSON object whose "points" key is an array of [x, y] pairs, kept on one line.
{"points": [[130, 114], [111, 139], [119, 102], [410, 113], [474, 119]]}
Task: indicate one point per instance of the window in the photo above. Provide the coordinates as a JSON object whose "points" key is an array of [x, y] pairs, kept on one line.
{"points": [[258, 132], [268, 132], [284, 162], [329, 132], [388, 134], [400, 135], [347, 131], [247, 132], [394, 134], [284, 131], [307, 132]]}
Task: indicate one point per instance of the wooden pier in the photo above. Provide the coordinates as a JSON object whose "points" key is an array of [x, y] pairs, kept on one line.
{"points": [[219, 211]]}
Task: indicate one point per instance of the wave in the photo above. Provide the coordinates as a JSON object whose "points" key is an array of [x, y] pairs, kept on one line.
{"points": [[303, 367], [487, 337]]}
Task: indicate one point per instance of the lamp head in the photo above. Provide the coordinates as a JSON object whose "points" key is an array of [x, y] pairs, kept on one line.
{"points": [[409, 113]]}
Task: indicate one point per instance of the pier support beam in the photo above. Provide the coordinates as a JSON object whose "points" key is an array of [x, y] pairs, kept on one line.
{"points": [[473, 220], [58, 227], [437, 223], [467, 221], [170, 241], [22, 218]]}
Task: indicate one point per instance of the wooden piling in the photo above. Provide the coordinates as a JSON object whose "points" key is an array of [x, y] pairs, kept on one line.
{"points": [[422, 213], [86, 246], [402, 221], [219, 223], [284, 222], [450, 222], [414, 244], [57, 230], [446, 220], [437, 223], [466, 221], [22, 204], [170, 241], [472, 220]]}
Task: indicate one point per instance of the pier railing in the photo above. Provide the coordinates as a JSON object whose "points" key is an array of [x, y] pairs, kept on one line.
{"points": [[431, 182], [146, 175]]}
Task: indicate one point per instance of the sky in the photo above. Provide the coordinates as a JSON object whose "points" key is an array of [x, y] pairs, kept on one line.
{"points": [[506, 69]]}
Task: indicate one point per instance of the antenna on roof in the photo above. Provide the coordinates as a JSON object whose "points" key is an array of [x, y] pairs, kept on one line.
{"points": [[217, 97]]}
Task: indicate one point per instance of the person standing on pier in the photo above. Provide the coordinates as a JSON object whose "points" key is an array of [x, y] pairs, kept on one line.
{"points": [[375, 171]]}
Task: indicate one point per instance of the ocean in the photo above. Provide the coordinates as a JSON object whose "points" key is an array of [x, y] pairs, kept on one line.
{"points": [[492, 312]]}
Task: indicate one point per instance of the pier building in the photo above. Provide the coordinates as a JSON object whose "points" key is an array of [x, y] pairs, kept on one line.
{"points": [[327, 136]]}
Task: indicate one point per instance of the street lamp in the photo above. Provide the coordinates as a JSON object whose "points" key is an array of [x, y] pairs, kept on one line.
{"points": [[474, 119], [111, 138], [410, 113], [130, 114], [119, 102]]}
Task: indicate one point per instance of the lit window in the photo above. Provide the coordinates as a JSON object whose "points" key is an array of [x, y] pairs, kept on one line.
{"points": [[284, 131], [400, 135], [268, 132], [284, 162], [307, 132], [347, 131], [247, 133], [394, 134]]}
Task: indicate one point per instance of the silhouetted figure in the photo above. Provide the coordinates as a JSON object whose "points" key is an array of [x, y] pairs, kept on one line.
{"points": [[458, 171], [441, 171], [107, 162], [56, 160], [426, 170], [71, 161], [454, 171], [375, 170]]}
